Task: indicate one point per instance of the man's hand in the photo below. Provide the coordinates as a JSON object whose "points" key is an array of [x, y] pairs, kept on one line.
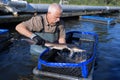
{"points": [[38, 40]]}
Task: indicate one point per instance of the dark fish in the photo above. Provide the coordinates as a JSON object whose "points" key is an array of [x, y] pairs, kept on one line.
{"points": [[28, 40]]}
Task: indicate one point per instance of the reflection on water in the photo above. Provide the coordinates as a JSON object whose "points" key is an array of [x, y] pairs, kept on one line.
{"points": [[17, 63]]}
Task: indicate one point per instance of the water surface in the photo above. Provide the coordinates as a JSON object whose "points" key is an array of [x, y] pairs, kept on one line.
{"points": [[17, 63]]}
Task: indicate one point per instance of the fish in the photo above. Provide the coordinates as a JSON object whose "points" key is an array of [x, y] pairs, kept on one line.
{"points": [[28, 40], [71, 47]]}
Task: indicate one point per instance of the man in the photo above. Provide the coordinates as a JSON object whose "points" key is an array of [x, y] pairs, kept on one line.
{"points": [[47, 29]]}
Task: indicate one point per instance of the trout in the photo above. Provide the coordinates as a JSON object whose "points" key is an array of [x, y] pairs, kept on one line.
{"points": [[73, 48]]}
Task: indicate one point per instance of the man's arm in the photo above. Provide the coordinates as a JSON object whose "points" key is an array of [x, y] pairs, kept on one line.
{"points": [[23, 30], [62, 34]]}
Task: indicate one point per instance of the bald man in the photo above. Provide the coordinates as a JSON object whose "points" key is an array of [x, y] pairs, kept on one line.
{"points": [[44, 29]]}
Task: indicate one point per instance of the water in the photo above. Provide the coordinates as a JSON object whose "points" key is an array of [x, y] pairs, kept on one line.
{"points": [[107, 62], [17, 63]]}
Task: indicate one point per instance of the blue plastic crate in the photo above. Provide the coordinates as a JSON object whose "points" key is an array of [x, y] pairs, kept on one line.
{"points": [[2, 31], [4, 39], [98, 19]]}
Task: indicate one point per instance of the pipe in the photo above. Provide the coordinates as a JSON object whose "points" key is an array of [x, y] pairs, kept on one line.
{"points": [[73, 8]]}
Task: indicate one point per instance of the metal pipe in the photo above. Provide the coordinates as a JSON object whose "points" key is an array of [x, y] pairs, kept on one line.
{"points": [[74, 8]]}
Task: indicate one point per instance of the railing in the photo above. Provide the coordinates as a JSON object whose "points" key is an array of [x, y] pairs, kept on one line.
{"points": [[64, 2]]}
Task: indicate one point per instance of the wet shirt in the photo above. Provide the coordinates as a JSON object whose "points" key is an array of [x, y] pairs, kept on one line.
{"points": [[36, 23]]}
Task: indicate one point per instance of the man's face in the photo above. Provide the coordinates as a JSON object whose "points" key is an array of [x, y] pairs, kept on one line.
{"points": [[55, 17]]}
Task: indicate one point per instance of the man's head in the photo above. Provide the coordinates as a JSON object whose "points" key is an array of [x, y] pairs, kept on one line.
{"points": [[54, 13]]}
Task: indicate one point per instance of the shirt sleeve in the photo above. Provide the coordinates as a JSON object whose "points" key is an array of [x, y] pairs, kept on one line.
{"points": [[62, 30], [34, 24]]}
